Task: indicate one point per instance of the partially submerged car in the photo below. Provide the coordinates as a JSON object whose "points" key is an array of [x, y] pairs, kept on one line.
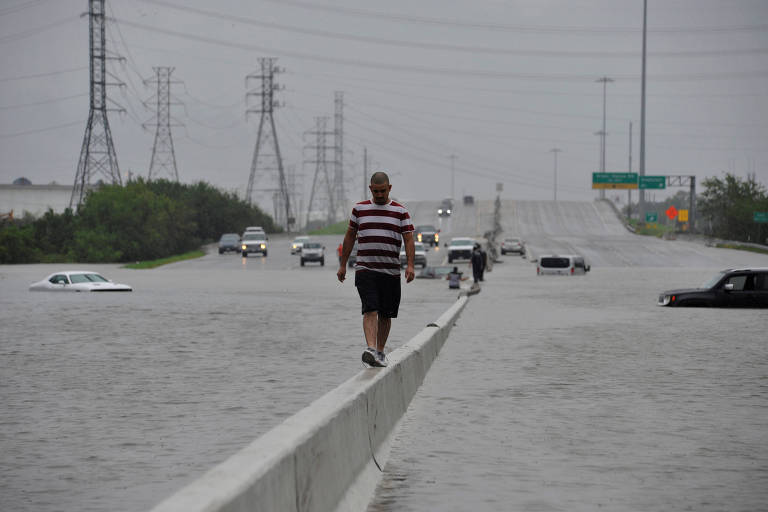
{"points": [[419, 257], [229, 242], [512, 244], [460, 249], [298, 243], [253, 241], [739, 287], [562, 265], [434, 272], [313, 251], [78, 281]]}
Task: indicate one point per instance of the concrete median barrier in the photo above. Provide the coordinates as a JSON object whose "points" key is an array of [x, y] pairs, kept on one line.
{"points": [[329, 455]]}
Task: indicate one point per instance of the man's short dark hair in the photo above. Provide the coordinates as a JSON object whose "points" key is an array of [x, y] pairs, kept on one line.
{"points": [[379, 178]]}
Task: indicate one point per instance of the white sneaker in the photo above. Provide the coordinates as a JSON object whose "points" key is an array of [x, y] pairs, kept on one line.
{"points": [[370, 356], [381, 359]]}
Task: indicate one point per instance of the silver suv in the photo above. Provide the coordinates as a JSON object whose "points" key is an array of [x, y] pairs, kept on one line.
{"points": [[253, 241]]}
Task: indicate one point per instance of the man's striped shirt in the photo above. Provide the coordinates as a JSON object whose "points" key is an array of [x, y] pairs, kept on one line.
{"points": [[380, 229]]}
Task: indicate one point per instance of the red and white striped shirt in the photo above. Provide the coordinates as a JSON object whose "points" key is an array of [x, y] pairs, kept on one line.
{"points": [[380, 229]]}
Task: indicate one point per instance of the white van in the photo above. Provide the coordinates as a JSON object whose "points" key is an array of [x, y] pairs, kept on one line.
{"points": [[561, 265]]}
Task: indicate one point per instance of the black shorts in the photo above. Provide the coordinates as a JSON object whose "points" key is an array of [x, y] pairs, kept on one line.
{"points": [[378, 292]]}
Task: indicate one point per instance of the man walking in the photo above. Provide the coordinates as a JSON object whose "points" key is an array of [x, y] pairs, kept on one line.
{"points": [[380, 226], [477, 263]]}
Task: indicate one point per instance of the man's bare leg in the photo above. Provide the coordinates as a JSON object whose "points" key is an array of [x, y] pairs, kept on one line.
{"points": [[382, 333], [371, 327]]}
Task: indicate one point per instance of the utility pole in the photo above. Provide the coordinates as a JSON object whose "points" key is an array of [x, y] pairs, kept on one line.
{"points": [[321, 182], [365, 172], [603, 133], [268, 104], [629, 169], [453, 173], [163, 155], [555, 151], [641, 170], [340, 201], [97, 155]]}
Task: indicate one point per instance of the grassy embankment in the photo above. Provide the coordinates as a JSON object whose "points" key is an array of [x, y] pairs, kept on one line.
{"points": [[740, 247], [657, 230], [164, 261], [334, 229]]}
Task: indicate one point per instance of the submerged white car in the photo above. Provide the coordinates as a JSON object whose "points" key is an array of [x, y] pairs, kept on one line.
{"points": [[78, 281]]}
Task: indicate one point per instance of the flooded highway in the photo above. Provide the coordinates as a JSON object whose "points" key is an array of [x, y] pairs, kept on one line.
{"points": [[551, 393]]}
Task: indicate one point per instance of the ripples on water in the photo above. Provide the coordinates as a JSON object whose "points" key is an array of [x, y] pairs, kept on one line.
{"points": [[115, 401], [580, 394]]}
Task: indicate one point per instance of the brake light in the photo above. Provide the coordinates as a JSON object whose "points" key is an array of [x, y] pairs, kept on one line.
{"points": [[538, 271], [572, 269], [673, 299]]}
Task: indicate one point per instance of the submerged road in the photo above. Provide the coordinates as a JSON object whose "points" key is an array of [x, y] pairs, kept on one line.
{"points": [[579, 393], [552, 393]]}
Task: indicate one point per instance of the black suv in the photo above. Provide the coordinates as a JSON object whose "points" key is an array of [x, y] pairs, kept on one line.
{"points": [[427, 235], [229, 242], [740, 288]]}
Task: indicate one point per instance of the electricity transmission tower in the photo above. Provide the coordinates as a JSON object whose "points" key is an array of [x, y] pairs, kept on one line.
{"points": [[97, 155], [267, 133], [340, 200], [163, 156], [322, 183]]}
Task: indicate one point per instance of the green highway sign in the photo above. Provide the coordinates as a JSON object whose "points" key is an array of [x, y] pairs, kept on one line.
{"points": [[651, 217], [656, 182], [623, 180], [760, 217]]}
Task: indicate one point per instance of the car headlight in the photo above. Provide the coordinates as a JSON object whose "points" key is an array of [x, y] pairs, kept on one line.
{"points": [[449, 211], [263, 246], [436, 237], [244, 247], [665, 300], [439, 210], [419, 237]]}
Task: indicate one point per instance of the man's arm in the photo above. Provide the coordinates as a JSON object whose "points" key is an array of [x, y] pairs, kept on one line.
{"points": [[346, 248], [410, 254]]}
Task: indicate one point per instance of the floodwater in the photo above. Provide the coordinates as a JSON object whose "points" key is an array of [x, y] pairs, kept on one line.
{"points": [[579, 393], [115, 401], [556, 393]]}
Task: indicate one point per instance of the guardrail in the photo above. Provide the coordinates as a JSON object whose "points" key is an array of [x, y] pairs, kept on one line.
{"points": [[328, 456]]}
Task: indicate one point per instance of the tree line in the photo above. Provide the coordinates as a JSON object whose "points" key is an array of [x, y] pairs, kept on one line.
{"points": [[140, 221]]}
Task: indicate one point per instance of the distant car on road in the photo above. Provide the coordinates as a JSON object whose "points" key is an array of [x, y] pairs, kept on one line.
{"points": [[741, 287], [460, 249], [427, 234], [313, 251], [419, 258], [229, 242], [297, 244], [512, 245], [445, 208], [78, 281], [252, 242], [562, 265]]}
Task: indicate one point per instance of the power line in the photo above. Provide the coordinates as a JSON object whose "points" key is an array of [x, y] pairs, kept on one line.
{"points": [[449, 47], [477, 73], [516, 28], [43, 75]]}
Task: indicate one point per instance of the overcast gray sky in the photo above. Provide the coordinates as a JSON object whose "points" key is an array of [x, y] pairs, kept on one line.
{"points": [[498, 83]]}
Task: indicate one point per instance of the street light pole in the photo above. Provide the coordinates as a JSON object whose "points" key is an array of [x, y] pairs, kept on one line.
{"points": [[641, 170], [453, 173], [555, 151], [603, 133]]}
